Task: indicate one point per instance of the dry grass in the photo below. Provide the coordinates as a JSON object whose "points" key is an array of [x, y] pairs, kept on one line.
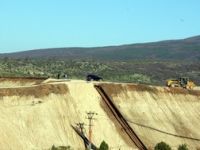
{"points": [[142, 88], [36, 91], [116, 89], [182, 91], [112, 89], [17, 81]]}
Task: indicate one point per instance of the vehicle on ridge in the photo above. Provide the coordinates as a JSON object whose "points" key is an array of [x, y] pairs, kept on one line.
{"points": [[92, 77]]}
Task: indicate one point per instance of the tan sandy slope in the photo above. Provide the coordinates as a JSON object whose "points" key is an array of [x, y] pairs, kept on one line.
{"points": [[158, 113], [38, 116]]}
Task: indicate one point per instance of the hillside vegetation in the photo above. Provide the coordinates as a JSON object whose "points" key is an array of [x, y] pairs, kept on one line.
{"points": [[188, 49], [148, 63], [147, 72]]}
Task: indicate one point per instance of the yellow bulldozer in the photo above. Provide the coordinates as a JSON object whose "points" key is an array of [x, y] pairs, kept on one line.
{"points": [[183, 82]]}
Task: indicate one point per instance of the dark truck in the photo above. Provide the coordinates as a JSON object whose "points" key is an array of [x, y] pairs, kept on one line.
{"points": [[92, 77]]}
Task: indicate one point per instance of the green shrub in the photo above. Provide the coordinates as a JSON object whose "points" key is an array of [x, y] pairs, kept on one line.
{"points": [[103, 146], [162, 146], [183, 147]]}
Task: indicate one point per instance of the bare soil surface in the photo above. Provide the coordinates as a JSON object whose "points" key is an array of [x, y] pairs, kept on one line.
{"points": [[158, 113], [38, 113]]}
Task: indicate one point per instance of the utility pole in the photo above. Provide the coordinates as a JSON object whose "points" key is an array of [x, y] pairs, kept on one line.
{"points": [[90, 117], [81, 127]]}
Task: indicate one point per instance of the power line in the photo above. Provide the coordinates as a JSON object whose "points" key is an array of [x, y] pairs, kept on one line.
{"points": [[158, 130], [161, 131]]}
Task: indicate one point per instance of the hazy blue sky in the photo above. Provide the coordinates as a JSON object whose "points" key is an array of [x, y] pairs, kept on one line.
{"points": [[32, 24]]}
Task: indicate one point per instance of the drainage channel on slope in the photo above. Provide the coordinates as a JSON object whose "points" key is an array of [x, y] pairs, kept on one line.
{"points": [[119, 117]]}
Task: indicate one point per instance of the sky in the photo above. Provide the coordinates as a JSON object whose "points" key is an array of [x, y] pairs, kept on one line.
{"points": [[35, 24]]}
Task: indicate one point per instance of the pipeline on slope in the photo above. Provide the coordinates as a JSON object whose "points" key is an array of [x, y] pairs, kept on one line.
{"points": [[121, 120]]}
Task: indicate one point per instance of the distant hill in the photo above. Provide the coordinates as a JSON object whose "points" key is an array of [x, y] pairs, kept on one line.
{"points": [[188, 49]]}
